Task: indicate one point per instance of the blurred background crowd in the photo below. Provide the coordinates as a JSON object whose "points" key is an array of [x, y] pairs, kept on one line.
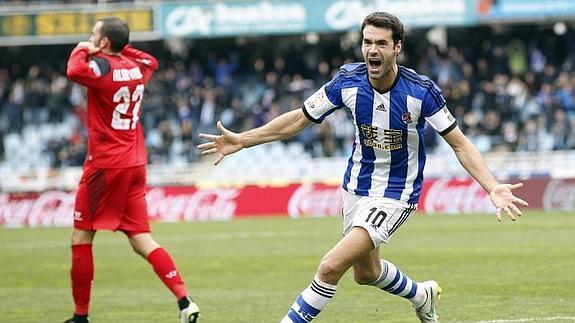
{"points": [[511, 89]]}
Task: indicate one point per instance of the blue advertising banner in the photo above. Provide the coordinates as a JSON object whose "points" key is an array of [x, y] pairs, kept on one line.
{"points": [[497, 10], [208, 19]]}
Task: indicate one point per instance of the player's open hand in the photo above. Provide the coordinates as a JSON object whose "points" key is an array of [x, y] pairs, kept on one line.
{"points": [[227, 143], [503, 199], [91, 48]]}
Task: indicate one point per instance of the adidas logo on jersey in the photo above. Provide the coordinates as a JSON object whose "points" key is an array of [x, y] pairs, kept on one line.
{"points": [[381, 107]]}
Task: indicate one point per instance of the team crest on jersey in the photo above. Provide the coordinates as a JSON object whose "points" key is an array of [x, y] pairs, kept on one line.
{"points": [[392, 138], [406, 117]]}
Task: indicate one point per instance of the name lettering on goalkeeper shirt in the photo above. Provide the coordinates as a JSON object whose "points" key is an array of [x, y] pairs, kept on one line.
{"points": [[123, 74]]}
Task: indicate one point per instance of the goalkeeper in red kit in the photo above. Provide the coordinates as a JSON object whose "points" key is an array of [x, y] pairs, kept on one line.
{"points": [[112, 191]]}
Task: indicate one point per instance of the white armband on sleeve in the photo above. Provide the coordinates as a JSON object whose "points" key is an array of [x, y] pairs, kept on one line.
{"points": [[318, 106], [442, 121]]}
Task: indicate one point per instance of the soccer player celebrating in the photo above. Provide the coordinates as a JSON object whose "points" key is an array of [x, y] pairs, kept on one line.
{"points": [[390, 105], [112, 190]]}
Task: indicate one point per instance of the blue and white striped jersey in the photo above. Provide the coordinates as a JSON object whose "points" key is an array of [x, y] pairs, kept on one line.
{"points": [[388, 152]]}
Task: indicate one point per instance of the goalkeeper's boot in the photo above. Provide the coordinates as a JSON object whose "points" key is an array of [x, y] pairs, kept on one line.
{"points": [[427, 312], [190, 314], [78, 319]]}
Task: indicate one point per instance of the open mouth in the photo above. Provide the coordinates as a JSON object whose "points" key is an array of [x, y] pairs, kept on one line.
{"points": [[374, 63]]}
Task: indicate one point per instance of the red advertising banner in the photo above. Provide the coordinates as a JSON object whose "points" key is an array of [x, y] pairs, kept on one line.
{"points": [[559, 194], [183, 203], [453, 196], [188, 203]]}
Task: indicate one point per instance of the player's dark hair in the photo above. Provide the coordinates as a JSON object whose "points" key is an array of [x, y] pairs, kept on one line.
{"points": [[117, 32], [386, 20]]}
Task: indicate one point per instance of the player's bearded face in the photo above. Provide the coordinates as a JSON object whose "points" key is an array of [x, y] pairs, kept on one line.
{"points": [[379, 51], [96, 37]]}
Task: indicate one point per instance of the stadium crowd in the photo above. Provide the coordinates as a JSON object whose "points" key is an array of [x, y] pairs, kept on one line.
{"points": [[510, 91]]}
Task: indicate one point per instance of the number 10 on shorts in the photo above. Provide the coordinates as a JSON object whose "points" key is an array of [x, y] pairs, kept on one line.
{"points": [[377, 220]]}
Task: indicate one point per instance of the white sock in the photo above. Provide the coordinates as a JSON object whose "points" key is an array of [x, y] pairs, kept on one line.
{"points": [[310, 302], [393, 281]]}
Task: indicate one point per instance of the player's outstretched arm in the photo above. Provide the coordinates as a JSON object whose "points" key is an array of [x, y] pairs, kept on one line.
{"points": [[228, 142], [470, 158]]}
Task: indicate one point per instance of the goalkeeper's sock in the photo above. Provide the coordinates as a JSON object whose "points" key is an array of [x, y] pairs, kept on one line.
{"points": [[184, 302], [166, 270], [310, 302], [393, 281], [82, 274]]}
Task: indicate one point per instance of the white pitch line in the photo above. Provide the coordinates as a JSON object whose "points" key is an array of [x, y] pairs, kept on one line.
{"points": [[566, 318]]}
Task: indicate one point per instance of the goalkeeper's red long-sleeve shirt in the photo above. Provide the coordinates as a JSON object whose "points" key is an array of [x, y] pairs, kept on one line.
{"points": [[116, 87]]}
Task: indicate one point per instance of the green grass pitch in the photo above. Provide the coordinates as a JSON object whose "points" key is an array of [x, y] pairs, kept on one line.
{"points": [[251, 270]]}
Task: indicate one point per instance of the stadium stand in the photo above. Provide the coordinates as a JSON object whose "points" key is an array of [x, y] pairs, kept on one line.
{"points": [[511, 89]]}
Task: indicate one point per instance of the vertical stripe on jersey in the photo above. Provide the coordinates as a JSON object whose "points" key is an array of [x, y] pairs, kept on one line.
{"points": [[364, 115], [349, 96], [348, 185], [382, 157], [414, 197], [398, 170], [414, 108]]}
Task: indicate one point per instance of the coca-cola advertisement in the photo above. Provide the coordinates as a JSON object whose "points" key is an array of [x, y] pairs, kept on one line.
{"points": [[188, 203], [171, 204], [454, 196], [52, 208], [560, 195], [182, 203], [461, 196], [315, 200]]}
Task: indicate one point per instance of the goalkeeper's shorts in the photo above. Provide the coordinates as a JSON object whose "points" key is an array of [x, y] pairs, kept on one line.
{"points": [[112, 199]]}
